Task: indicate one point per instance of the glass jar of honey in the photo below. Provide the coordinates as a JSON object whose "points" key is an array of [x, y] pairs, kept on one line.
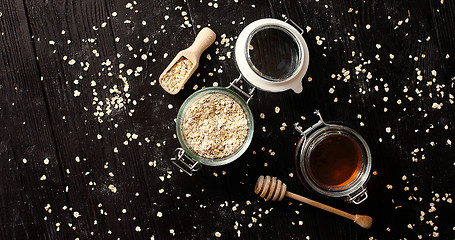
{"points": [[334, 161]]}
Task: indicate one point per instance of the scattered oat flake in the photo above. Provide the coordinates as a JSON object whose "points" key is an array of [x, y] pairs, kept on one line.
{"points": [[437, 105], [112, 188]]}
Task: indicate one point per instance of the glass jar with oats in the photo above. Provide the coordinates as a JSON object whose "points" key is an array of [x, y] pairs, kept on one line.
{"points": [[214, 127]]}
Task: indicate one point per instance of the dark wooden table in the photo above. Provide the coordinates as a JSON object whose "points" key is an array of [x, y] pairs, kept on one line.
{"points": [[87, 132]]}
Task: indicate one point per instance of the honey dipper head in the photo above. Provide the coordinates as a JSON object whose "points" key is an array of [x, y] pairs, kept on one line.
{"points": [[270, 188]]}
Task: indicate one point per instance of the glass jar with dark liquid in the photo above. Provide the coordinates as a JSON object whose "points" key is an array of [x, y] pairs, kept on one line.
{"points": [[334, 161]]}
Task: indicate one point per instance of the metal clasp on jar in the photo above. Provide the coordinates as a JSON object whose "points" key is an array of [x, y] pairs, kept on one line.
{"points": [[358, 197], [248, 95], [310, 129], [185, 162]]}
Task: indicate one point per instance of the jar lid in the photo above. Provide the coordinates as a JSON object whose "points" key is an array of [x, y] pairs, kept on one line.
{"points": [[272, 55]]}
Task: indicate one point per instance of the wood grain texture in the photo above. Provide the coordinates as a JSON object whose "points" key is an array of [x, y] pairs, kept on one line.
{"points": [[79, 87], [32, 188]]}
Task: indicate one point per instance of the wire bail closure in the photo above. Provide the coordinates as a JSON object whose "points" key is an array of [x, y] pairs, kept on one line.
{"points": [[308, 130], [294, 25], [248, 95], [185, 162], [358, 198]]}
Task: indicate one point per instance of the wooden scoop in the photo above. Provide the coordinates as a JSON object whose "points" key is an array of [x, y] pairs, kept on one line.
{"points": [[186, 62], [272, 188]]}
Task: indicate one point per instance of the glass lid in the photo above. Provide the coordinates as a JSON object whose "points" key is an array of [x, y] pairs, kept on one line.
{"points": [[272, 55]]}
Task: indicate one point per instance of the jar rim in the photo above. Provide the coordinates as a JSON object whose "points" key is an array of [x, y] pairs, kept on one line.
{"points": [[187, 148]]}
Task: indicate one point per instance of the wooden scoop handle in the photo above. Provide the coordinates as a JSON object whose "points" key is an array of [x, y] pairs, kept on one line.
{"points": [[272, 188], [203, 40]]}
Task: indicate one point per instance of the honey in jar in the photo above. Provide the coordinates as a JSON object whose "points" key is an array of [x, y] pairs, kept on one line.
{"points": [[335, 161]]}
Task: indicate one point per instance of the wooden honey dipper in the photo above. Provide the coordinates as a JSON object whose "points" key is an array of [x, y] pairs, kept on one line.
{"points": [[271, 188]]}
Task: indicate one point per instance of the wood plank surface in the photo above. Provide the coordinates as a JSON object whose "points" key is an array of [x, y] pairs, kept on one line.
{"points": [[32, 189], [82, 107]]}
